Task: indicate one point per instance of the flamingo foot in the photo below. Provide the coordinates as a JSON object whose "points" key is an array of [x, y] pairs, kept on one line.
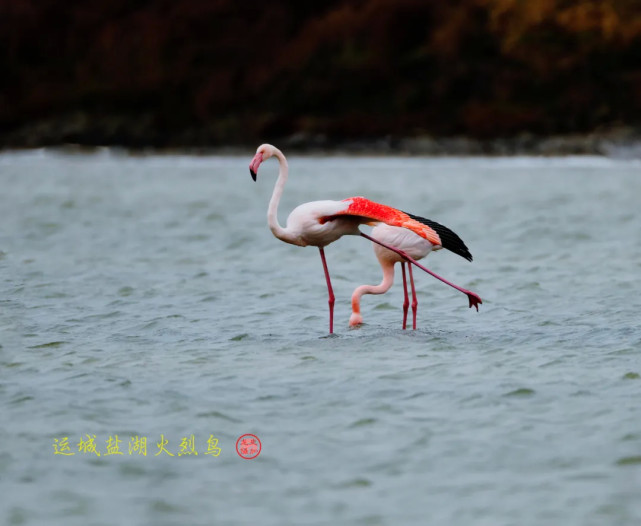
{"points": [[475, 299]]}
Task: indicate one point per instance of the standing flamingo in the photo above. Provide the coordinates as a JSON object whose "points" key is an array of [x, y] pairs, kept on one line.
{"points": [[413, 245], [319, 223]]}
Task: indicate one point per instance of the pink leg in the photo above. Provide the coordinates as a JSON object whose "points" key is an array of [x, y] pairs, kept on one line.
{"points": [[414, 299], [406, 301], [474, 298], [329, 289]]}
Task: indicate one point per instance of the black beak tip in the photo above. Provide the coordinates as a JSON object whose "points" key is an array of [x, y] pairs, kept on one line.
{"points": [[253, 174]]}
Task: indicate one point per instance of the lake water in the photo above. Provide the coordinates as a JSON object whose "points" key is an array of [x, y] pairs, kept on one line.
{"points": [[144, 296]]}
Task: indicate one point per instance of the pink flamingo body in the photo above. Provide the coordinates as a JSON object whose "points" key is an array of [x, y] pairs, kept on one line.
{"points": [[319, 223], [410, 243]]}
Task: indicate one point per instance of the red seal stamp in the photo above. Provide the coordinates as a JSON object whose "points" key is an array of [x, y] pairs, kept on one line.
{"points": [[248, 446]]}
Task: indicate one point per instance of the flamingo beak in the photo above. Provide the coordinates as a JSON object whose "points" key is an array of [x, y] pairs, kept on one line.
{"points": [[254, 164]]}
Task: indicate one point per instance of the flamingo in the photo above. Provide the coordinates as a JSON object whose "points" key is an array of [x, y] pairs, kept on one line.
{"points": [[413, 245], [319, 223]]}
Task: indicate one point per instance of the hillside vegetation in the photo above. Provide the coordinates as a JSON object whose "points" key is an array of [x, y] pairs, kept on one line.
{"points": [[211, 72]]}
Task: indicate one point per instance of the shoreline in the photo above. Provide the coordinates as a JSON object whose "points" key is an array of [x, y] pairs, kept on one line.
{"points": [[616, 142]]}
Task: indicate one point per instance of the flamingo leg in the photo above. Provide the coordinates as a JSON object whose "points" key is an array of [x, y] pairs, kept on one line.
{"points": [[330, 290], [414, 299], [406, 301], [474, 298]]}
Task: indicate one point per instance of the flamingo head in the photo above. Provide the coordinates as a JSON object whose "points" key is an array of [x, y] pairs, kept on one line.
{"points": [[355, 320], [264, 152]]}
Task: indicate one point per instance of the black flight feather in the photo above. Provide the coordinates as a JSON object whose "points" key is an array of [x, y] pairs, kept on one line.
{"points": [[449, 239]]}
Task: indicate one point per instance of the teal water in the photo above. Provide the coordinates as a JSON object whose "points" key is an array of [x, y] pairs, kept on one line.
{"points": [[145, 296]]}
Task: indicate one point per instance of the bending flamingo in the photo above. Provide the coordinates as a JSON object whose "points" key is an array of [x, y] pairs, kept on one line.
{"points": [[413, 245], [319, 223]]}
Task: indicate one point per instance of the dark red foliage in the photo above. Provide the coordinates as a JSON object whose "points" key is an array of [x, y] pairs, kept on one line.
{"points": [[162, 72]]}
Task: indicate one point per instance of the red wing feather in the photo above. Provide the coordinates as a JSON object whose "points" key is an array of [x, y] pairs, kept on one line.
{"points": [[377, 212]]}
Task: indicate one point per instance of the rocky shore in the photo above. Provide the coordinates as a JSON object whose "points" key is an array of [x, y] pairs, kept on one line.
{"points": [[619, 143], [138, 134]]}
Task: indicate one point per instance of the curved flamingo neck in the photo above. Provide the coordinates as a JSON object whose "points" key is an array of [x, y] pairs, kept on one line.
{"points": [[474, 298], [388, 280], [272, 211]]}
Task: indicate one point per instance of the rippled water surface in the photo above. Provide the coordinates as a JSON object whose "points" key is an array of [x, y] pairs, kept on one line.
{"points": [[145, 296]]}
